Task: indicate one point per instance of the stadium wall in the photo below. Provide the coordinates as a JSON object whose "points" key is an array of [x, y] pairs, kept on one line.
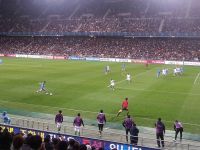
{"points": [[187, 63], [107, 145]]}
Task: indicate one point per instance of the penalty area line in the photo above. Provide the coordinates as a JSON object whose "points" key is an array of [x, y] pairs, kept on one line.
{"points": [[196, 79]]}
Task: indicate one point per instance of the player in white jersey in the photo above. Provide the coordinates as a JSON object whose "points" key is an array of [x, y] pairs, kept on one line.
{"points": [[175, 72], [112, 84], [107, 69], [164, 72], [128, 78]]}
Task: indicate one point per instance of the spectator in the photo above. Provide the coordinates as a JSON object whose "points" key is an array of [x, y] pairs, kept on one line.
{"points": [[35, 142], [18, 141], [5, 140], [71, 144], [55, 142], [62, 145], [160, 131], [83, 147], [48, 143], [26, 145]]}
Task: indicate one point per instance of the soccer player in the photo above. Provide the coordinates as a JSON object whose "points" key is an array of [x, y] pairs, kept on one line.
{"points": [[124, 107], [181, 70], [128, 78], [59, 120], [78, 121], [42, 87], [175, 72], [107, 69], [101, 120], [158, 73], [127, 123], [123, 67], [112, 84], [160, 131], [164, 72], [178, 127], [134, 134]]}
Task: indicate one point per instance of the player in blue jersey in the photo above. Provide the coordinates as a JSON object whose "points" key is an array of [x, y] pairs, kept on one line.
{"points": [[43, 87], [158, 73], [123, 67]]}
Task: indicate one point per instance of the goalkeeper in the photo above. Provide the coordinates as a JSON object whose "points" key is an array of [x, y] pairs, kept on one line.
{"points": [[124, 107]]}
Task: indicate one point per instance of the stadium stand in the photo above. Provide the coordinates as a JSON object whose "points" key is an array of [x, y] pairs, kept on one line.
{"points": [[104, 16], [22, 29], [137, 48]]}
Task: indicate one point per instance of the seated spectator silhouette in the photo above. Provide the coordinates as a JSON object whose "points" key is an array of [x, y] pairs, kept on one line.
{"points": [[6, 119]]}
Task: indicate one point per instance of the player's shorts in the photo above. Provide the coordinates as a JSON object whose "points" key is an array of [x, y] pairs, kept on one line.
{"points": [[112, 84], [100, 127], [42, 89], [58, 125], [128, 79], [125, 108], [77, 128]]}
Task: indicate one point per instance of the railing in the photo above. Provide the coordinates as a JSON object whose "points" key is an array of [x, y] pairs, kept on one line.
{"points": [[145, 140], [108, 34]]}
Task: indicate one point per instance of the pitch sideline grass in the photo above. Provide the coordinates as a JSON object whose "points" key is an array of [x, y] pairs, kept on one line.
{"points": [[78, 85]]}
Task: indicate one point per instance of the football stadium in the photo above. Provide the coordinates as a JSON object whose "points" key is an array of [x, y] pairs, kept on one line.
{"points": [[99, 74]]}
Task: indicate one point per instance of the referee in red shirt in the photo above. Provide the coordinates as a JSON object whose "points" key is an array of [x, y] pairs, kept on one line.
{"points": [[124, 107]]}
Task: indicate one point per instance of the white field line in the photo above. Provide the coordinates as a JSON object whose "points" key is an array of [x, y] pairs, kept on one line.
{"points": [[85, 111], [135, 89], [196, 79]]}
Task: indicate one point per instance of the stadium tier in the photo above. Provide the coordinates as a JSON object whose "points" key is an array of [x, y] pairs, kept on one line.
{"points": [[100, 16], [137, 48], [144, 52]]}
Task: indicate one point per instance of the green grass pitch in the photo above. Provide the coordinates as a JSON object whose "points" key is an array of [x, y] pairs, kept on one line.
{"points": [[80, 86]]}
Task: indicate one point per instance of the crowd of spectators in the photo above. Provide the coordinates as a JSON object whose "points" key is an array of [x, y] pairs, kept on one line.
{"points": [[150, 25], [135, 48], [181, 25], [12, 141], [102, 16]]}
